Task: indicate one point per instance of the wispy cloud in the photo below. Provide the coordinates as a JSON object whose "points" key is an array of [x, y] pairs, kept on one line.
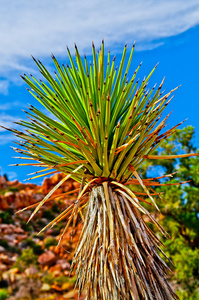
{"points": [[7, 121], [9, 105], [39, 27], [6, 139], [42, 27]]}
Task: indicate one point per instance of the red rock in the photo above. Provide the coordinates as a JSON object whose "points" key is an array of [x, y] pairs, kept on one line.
{"points": [[13, 183], [21, 237], [2, 249], [3, 203], [13, 259], [9, 197], [49, 183], [46, 185], [11, 274], [31, 270], [18, 230], [56, 178], [64, 264], [76, 185], [4, 259], [12, 226], [48, 258], [3, 183], [45, 268], [2, 267], [55, 249], [56, 270], [8, 230], [3, 227], [11, 239], [67, 273], [49, 231], [37, 197]]}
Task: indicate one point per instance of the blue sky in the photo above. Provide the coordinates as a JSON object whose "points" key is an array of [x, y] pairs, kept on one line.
{"points": [[164, 31]]}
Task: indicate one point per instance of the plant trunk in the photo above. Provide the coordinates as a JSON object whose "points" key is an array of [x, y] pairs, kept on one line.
{"points": [[117, 256]]}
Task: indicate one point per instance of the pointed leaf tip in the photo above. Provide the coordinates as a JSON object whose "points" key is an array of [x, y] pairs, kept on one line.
{"points": [[33, 58]]}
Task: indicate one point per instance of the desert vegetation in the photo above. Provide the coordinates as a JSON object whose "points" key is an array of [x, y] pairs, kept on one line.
{"points": [[108, 129]]}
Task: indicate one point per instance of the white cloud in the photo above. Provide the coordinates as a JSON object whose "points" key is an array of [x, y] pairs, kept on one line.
{"points": [[6, 139], [9, 105], [7, 120], [41, 27]]}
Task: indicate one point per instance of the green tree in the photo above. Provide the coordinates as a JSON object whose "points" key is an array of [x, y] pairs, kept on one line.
{"points": [[180, 209]]}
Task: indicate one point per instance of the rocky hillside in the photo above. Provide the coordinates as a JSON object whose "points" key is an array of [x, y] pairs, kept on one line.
{"points": [[31, 265]]}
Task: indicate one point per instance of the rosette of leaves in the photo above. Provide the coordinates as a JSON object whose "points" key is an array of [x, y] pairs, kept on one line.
{"points": [[106, 126]]}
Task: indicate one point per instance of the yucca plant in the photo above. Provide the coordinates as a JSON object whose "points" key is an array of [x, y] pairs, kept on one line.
{"points": [[106, 126]]}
